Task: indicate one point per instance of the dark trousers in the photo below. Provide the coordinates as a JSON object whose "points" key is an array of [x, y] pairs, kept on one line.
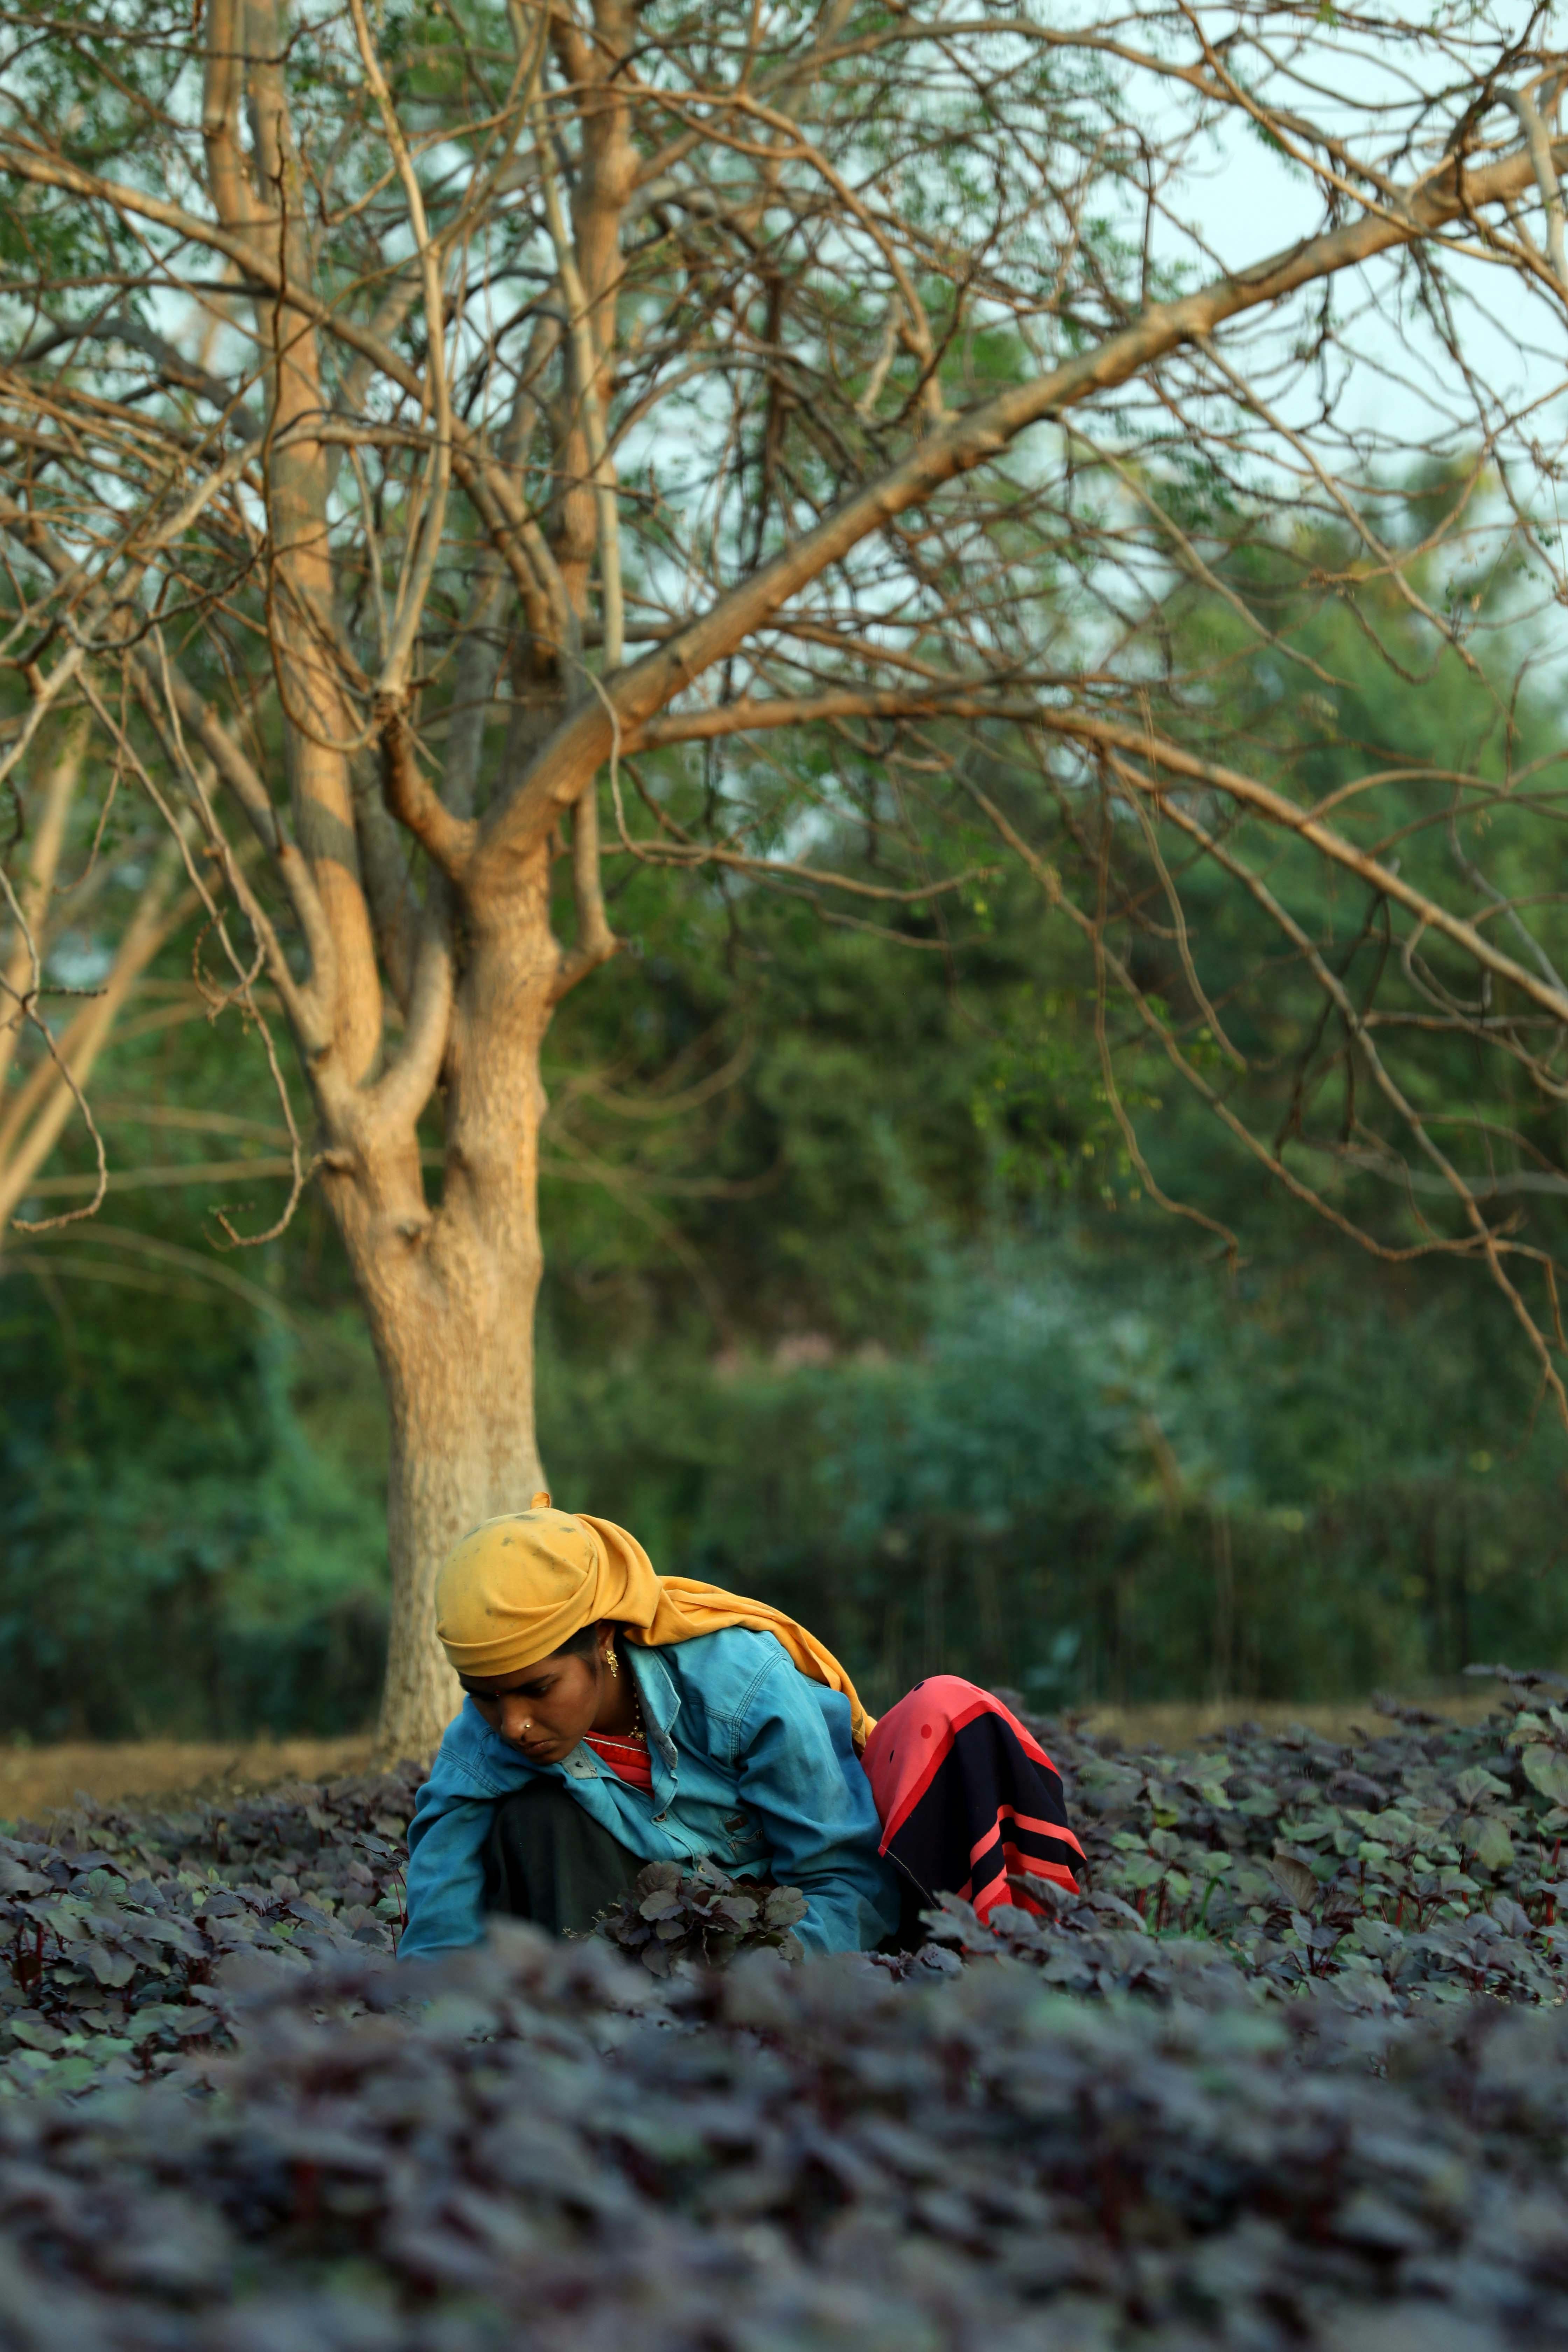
{"points": [[548, 1861]]}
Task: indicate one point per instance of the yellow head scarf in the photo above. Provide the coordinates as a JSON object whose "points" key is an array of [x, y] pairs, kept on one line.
{"points": [[520, 1585]]}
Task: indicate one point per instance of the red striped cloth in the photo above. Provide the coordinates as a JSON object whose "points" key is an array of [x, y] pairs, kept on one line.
{"points": [[628, 1759], [966, 1796]]}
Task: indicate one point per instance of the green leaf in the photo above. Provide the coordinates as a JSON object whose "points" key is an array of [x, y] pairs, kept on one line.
{"points": [[47, 2038], [1490, 1842], [1546, 1768], [1477, 1782], [1295, 1880]]}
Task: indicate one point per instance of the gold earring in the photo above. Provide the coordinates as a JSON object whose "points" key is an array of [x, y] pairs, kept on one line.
{"points": [[614, 1664]]}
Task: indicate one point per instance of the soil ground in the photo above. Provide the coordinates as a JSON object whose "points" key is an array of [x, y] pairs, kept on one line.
{"points": [[37, 1781]]}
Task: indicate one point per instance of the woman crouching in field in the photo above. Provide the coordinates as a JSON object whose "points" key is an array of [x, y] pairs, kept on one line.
{"points": [[615, 1717]]}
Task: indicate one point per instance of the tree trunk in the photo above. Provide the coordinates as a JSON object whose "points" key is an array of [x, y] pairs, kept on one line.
{"points": [[458, 1368], [450, 1293]]}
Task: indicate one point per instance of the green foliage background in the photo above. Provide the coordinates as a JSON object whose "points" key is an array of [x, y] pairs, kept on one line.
{"points": [[855, 1300]]}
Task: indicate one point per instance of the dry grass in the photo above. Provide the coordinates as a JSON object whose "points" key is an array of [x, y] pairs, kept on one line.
{"points": [[35, 1781]]}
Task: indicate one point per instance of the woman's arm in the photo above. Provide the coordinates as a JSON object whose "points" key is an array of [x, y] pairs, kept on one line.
{"points": [[444, 1890], [803, 1782]]}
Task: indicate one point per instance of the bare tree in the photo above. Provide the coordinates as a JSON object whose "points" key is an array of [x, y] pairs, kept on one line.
{"points": [[794, 442], [47, 1062]]}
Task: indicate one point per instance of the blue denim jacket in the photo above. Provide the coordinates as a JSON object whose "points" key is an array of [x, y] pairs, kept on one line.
{"points": [[753, 1768]]}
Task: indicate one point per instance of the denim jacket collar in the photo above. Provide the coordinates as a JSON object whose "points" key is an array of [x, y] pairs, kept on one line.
{"points": [[660, 1704]]}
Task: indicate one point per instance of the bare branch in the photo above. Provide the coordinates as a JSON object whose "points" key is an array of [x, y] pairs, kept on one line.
{"points": [[446, 838], [1544, 163], [979, 435]]}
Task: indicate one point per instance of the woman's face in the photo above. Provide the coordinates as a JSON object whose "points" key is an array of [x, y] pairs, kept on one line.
{"points": [[544, 1711]]}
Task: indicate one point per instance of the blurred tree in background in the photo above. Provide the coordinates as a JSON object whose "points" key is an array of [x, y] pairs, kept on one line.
{"points": [[794, 498], [855, 1297]]}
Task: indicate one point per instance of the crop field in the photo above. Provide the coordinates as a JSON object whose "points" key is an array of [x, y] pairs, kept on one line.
{"points": [[1293, 2071]]}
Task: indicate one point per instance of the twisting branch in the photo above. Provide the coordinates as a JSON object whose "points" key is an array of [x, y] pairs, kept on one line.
{"points": [[585, 368], [1546, 167], [447, 839], [978, 435], [1248, 792], [392, 684], [1493, 1250]]}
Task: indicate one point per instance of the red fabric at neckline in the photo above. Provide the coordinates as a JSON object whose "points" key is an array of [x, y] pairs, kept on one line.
{"points": [[628, 1759]]}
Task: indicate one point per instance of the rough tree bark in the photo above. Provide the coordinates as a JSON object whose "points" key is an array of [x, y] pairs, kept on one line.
{"points": [[450, 1293]]}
